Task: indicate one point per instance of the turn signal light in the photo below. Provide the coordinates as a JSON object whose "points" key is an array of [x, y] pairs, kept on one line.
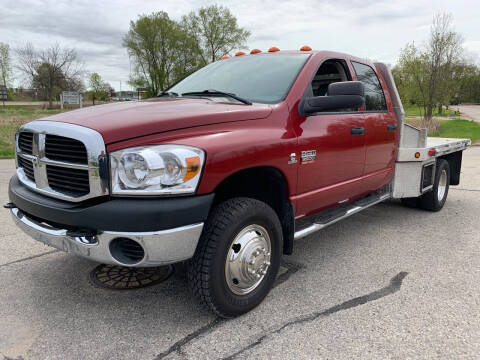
{"points": [[240, 53], [417, 155], [225, 57], [305, 48], [255, 51], [193, 167], [273, 49]]}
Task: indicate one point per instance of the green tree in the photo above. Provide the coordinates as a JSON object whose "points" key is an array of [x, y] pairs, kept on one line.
{"points": [[428, 75], [469, 89], [99, 89], [216, 32], [161, 51]]}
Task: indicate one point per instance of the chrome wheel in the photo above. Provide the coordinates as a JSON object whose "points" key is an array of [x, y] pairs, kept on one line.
{"points": [[248, 259], [442, 185]]}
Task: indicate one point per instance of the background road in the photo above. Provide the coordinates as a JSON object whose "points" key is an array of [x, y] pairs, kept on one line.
{"points": [[389, 282], [470, 112]]}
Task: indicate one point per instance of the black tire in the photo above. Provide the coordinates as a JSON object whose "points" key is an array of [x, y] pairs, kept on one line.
{"points": [[430, 201], [206, 270]]}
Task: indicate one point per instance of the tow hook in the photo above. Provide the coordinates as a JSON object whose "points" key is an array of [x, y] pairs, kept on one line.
{"points": [[9, 206], [84, 237]]}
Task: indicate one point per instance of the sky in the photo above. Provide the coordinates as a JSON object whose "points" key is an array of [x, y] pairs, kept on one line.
{"points": [[373, 29]]}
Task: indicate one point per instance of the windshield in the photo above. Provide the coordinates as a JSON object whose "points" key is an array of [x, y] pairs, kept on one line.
{"points": [[259, 78]]}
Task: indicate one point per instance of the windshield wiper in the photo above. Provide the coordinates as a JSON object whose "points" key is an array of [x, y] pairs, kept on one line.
{"points": [[167, 93], [218, 93]]}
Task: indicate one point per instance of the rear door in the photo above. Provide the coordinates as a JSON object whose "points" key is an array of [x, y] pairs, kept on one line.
{"points": [[380, 131]]}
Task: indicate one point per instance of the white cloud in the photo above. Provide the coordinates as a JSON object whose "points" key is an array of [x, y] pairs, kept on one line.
{"points": [[374, 29]]}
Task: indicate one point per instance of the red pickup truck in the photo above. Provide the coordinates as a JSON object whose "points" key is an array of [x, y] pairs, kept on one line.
{"points": [[227, 168]]}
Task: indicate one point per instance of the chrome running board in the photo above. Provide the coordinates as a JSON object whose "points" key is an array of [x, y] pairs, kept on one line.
{"points": [[321, 220]]}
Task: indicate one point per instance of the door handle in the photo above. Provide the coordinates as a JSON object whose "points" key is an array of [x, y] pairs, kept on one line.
{"points": [[357, 131], [392, 127]]}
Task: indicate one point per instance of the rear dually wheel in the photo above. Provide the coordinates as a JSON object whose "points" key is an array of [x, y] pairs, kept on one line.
{"points": [[435, 198]]}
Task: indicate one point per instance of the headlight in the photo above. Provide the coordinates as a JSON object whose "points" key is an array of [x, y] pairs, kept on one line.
{"points": [[156, 170]]}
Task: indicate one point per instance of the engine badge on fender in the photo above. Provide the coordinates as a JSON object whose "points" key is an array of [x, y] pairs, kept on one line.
{"points": [[309, 155]]}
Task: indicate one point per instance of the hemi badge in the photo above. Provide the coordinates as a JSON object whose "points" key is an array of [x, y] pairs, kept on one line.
{"points": [[309, 155]]}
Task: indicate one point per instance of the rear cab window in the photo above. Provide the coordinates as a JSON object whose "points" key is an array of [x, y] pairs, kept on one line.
{"points": [[374, 96]]}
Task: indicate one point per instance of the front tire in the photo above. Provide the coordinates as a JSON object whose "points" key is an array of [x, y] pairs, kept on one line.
{"points": [[238, 257]]}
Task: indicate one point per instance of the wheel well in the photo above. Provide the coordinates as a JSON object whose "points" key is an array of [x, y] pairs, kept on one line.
{"points": [[266, 184], [455, 163]]}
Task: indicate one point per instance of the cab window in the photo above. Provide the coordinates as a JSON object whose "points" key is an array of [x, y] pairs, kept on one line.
{"points": [[330, 71], [374, 97]]}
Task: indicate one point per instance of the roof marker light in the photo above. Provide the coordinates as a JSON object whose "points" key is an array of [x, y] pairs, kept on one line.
{"points": [[240, 53], [305, 48], [255, 51], [225, 57], [273, 49]]}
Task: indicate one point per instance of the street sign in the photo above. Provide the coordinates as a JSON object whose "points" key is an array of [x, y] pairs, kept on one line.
{"points": [[70, 98], [3, 93]]}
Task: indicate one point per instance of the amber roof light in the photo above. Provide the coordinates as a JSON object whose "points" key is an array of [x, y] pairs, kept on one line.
{"points": [[225, 57], [273, 49], [255, 51], [305, 48], [240, 53]]}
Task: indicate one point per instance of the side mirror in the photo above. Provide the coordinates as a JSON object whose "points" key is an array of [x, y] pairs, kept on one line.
{"points": [[340, 95]]}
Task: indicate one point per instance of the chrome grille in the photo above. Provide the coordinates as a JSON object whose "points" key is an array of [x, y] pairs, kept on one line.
{"points": [[27, 166], [65, 149], [62, 160], [69, 181], [25, 141]]}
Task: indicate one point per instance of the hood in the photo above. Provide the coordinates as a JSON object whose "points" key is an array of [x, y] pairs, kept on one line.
{"points": [[121, 121]]}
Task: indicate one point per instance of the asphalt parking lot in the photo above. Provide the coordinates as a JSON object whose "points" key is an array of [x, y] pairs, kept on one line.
{"points": [[389, 282]]}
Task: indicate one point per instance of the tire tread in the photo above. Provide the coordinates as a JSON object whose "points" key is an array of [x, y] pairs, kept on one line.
{"points": [[198, 267]]}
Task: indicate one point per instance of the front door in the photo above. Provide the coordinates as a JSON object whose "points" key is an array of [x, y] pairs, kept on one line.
{"points": [[331, 148]]}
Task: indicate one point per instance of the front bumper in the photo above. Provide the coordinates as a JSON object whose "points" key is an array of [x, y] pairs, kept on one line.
{"points": [[164, 230], [160, 247]]}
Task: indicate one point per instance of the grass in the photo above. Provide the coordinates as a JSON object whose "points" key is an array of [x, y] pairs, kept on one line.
{"points": [[11, 118], [10, 112], [7, 139], [465, 129], [413, 110]]}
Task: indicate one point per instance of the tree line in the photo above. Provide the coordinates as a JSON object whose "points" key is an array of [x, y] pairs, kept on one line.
{"points": [[163, 51], [437, 73]]}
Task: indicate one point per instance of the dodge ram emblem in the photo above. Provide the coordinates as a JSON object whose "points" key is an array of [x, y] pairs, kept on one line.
{"points": [[293, 159]]}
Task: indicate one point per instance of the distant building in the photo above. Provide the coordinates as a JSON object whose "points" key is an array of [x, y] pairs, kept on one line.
{"points": [[27, 94], [129, 95]]}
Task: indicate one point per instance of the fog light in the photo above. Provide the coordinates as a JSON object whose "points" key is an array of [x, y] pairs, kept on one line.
{"points": [[126, 251]]}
